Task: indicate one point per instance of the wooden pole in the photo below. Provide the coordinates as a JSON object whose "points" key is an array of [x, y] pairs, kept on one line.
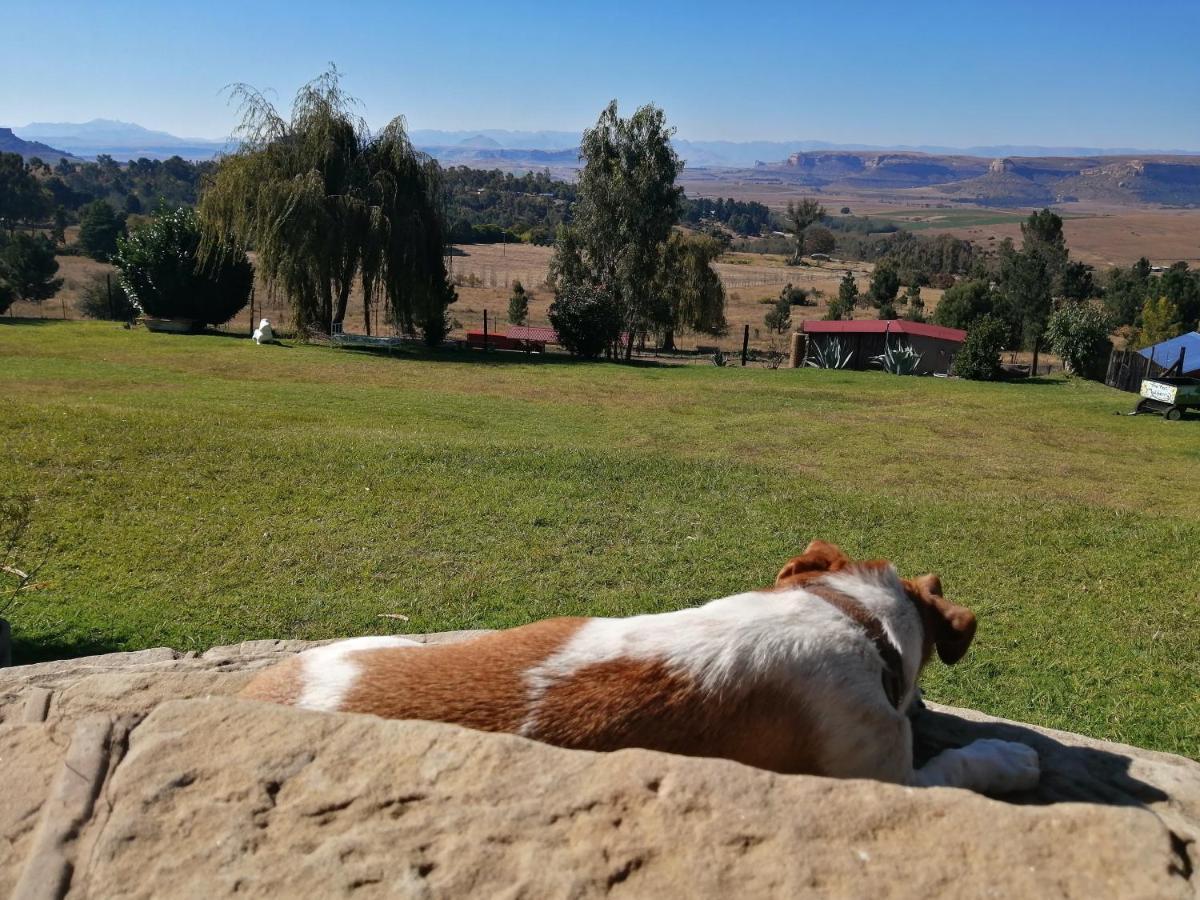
{"points": [[112, 313], [745, 342], [485, 331]]}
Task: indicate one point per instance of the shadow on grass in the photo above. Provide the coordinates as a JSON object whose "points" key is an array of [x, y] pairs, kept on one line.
{"points": [[1070, 773], [22, 320], [492, 357], [60, 646]]}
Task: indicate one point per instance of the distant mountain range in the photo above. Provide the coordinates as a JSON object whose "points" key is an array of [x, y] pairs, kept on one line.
{"points": [[994, 175], [1144, 178], [455, 146], [126, 140], [10, 143], [120, 140]]}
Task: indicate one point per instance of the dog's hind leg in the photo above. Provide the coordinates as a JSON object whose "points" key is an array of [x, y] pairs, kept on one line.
{"points": [[988, 766]]}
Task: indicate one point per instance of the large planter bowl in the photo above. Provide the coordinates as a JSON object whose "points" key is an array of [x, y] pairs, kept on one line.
{"points": [[173, 326]]}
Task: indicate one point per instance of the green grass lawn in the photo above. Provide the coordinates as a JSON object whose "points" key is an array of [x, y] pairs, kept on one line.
{"points": [[202, 490]]}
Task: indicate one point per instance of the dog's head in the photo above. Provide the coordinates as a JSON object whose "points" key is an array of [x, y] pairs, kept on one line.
{"points": [[949, 628]]}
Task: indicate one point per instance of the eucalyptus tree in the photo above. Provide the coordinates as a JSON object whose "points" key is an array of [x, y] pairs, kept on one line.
{"points": [[326, 205], [627, 205]]}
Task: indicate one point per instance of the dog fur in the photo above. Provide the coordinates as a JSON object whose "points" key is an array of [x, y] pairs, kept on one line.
{"points": [[794, 678]]}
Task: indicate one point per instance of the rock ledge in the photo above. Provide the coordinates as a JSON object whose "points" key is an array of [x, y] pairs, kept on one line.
{"points": [[138, 775]]}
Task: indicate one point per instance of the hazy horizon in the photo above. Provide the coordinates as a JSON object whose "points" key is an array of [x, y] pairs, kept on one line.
{"points": [[1074, 75]]}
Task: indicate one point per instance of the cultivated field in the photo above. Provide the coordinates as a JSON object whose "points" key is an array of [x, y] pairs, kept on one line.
{"points": [[202, 490]]}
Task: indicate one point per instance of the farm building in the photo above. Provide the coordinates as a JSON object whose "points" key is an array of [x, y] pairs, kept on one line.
{"points": [[865, 339]]}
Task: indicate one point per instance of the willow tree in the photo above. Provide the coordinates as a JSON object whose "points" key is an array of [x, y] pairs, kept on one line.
{"points": [[327, 205], [688, 293]]}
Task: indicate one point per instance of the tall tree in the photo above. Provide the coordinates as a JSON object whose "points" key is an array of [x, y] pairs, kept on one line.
{"points": [[518, 304], [628, 202], [27, 268], [799, 217], [885, 284], [327, 204], [22, 198], [847, 298], [1160, 322], [99, 228]]}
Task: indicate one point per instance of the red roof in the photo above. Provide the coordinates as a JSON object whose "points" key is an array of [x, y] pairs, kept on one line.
{"points": [[530, 333], [879, 326]]}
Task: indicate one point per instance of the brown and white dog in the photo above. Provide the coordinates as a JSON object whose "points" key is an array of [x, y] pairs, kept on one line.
{"points": [[813, 675]]}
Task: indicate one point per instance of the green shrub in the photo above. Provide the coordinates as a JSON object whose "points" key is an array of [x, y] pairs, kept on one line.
{"points": [[1078, 334], [587, 319], [979, 358], [163, 274]]}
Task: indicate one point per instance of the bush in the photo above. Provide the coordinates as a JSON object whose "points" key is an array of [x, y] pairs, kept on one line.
{"points": [[818, 239], [794, 296], [104, 297], [979, 358], [964, 303], [587, 319], [1079, 335], [163, 275]]}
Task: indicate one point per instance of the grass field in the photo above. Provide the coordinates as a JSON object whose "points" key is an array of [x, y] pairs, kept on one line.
{"points": [[202, 490]]}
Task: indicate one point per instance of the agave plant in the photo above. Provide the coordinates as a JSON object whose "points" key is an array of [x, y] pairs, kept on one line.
{"points": [[901, 360], [828, 355]]}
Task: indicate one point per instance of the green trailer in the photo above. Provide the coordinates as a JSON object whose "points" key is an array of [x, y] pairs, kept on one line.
{"points": [[1170, 395]]}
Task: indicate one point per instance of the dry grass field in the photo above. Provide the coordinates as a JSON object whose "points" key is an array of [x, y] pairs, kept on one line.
{"points": [[1101, 236], [484, 274], [752, 282]]}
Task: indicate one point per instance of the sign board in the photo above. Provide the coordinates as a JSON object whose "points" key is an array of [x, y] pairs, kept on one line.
{"points": [[1156, 390]]}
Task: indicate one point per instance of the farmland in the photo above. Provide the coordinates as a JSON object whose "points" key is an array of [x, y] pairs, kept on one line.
{"points": [[202, 490]]}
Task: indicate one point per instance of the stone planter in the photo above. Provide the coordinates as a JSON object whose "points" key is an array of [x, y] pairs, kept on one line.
{"points": [[172, 326], [5, 644]]}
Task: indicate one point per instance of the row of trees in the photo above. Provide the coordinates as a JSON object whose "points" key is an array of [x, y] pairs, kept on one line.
{"points": [[746, 218]]}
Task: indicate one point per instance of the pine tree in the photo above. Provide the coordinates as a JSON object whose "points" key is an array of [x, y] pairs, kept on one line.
{"points": [[518, 304]]}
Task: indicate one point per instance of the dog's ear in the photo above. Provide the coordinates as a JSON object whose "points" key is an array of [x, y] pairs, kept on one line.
{"points": [[950, 627], [818, 556]]}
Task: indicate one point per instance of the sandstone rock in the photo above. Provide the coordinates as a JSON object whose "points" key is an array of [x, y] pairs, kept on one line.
{"points": [[204, 794]]}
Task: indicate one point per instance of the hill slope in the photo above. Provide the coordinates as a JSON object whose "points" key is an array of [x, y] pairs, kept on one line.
{"points": [[10, 143]]}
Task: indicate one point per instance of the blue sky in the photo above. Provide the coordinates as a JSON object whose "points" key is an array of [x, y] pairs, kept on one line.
{"points": [[1052, 73]]}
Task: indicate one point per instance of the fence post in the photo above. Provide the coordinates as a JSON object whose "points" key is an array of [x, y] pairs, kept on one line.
{"points": [[485, 331], [797, 354], [745, 342]]}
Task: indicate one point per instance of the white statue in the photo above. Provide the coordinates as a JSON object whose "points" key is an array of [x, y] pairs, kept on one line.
{"points": [[264, 334]]}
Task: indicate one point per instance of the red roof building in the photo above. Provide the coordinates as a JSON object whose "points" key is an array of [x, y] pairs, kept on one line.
{"points": [[865, 339]]}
